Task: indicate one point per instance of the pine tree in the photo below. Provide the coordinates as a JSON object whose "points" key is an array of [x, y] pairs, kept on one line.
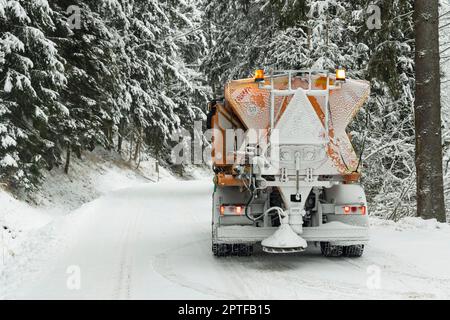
{"points": [[190, 96], [159, 80], [31, 74], [95, 93], [278, 35], [386, 123], [130, 71]]}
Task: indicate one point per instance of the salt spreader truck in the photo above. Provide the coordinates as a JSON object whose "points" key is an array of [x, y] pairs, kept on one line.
{"points": [[292, 176]]}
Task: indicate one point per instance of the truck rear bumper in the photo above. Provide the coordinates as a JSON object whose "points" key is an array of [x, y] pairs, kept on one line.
{"points": [[337, 233]]}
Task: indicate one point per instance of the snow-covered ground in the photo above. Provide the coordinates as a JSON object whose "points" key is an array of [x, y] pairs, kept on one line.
{"points": [[27, 225], [153, 241]]}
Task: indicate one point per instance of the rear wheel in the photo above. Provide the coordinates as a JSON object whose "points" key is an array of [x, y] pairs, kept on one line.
{"points": [[220, 250], [243, 250], [329, 250], [354, 251], [236, 249]]}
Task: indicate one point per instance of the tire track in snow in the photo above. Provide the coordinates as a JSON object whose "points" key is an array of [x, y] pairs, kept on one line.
{"points": [[162, 266], [257, 276], [124, 282], [239, 273], [118, 291], [395, 268], [283, 273]]}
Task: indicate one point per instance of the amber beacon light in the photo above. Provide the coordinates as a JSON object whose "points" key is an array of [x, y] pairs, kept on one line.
{"points": [[340, 74], [259, 75]]}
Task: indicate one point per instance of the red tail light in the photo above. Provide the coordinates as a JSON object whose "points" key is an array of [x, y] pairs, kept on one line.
{"points": [[232, 210], [363, 210], [351, 210]]}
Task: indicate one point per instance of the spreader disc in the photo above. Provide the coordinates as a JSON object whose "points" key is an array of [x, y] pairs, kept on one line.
{"points": [[282, 250]]}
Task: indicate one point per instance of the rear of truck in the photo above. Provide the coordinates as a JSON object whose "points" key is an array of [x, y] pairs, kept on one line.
{"points": [[286, 173]]}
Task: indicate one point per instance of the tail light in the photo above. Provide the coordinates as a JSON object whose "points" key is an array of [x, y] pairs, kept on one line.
{"points": [[232, 210], [363, 210], [351, 209]]}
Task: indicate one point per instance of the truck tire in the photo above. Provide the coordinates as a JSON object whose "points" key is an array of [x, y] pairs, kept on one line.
{"points": [[237, 249], [221, 249], [354, 251], [244, 250], [329, 250]]}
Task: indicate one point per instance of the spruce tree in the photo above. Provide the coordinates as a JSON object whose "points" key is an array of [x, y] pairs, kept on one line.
{"points": [[31, 75]]}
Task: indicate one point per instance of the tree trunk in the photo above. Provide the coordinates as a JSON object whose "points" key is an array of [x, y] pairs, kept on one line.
{"points": [[137, 151], [210, 42], [68, 154], [309, 37], [120, 138], [157, 168], [131, 147], [430, 191], [111, 137]]}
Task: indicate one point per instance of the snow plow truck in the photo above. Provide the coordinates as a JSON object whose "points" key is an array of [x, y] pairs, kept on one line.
{"points": [[286, 173]]}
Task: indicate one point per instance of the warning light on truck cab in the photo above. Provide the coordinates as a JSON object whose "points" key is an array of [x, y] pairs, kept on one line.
{"points": [[259, 75], [340, 74]]}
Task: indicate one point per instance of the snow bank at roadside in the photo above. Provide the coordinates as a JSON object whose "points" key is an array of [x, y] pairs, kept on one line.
{"points": [[17, 219], [20, 214], [410, 223], [23, 233]]}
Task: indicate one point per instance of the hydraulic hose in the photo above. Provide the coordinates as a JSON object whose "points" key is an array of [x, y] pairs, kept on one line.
{"points": [[279, 210], [249, 202]]}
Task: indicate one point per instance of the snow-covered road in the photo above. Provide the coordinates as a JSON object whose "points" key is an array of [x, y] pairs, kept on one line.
{"points": [[153, 242]]}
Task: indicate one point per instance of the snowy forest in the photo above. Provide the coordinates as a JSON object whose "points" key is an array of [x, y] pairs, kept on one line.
{"points": [[80, 74]]}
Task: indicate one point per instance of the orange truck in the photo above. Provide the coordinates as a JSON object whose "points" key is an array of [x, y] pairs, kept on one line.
{"points": [[286, 173]]}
